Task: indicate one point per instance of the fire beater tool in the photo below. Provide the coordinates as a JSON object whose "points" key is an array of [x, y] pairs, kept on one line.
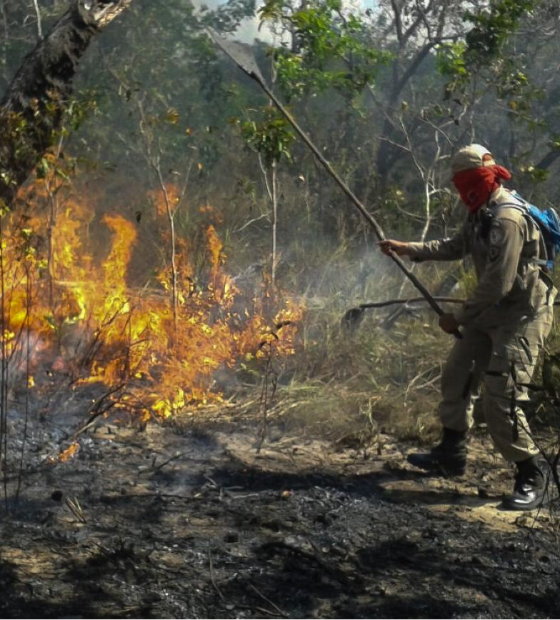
{"points": [[245, 60], [353, 317]]}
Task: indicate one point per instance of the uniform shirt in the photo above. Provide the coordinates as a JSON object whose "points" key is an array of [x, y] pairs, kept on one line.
{"points": [[503, 244]]}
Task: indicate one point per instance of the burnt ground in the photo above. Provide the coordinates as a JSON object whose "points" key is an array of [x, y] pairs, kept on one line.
{"points": [[189, 521]]}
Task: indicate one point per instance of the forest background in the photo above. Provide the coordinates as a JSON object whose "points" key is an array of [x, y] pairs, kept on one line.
{"points": [[388, 91]]}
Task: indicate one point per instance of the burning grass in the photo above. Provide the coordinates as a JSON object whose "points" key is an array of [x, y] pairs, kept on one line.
{"points": [[74, 307], [87, 297]]}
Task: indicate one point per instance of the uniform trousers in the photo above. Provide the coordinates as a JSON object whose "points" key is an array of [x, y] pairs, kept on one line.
{"points": [[501, 360]]}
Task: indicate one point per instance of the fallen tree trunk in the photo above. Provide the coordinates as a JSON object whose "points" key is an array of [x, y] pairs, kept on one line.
{"points": [[32, 109]]}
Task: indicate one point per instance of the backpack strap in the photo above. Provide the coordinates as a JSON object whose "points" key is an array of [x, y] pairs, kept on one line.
{"points": [[523, 208]]}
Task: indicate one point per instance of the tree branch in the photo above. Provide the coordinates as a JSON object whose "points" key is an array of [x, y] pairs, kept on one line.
{"points": [[398, 22], [32, 109], [548, 159], [39, 20]]}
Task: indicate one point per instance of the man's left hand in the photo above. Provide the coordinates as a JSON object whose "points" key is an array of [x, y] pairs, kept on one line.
{"points": [[448, 323]]}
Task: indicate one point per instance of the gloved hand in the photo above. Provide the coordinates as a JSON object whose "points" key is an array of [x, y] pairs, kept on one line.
{"points": [[448, 323]]}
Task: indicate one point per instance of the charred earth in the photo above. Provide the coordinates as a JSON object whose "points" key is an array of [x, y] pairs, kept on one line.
{"points": [[188, 520]]}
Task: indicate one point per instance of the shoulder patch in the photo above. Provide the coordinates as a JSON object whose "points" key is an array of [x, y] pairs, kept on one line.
{"points": [[496, 235], [496, 238], [493, 253]]}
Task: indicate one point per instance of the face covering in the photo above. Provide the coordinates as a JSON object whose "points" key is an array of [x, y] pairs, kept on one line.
{"points": [[476, 186]]}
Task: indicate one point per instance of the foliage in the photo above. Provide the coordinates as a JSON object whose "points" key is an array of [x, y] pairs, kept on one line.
{"points": [[492, 28], [330, 49], [272, 136], [483, 51]]}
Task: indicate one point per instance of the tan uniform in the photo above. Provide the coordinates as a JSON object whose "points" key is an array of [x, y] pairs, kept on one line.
{"points": [[505, 322]]}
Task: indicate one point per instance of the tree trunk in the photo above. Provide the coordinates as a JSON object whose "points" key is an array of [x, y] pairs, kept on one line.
{"points": [[546, 162], [33, 106]]}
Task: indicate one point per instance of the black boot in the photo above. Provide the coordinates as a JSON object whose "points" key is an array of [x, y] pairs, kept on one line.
{"points": [[448, 458], [528, 491]]}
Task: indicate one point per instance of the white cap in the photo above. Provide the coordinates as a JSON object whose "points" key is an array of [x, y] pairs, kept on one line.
{"points": [[471, 156]]}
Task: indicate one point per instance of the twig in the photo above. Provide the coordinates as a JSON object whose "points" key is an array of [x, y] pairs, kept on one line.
{"points": [[268, 393], [267, 600], [173, 458], [27, 380], [421, 374], [223, 598], [3, 371], [255, 219], [75, 508], [99, 409], [212, 578], [39, 20], [281, 544], [171, 213]]}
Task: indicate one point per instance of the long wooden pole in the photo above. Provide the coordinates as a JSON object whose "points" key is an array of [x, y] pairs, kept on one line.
{"points": [[251, 69]]}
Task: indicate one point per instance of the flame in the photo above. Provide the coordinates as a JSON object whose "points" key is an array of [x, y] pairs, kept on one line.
{"points": [[102, 321], [67, 454], [115, 266], [169, 197]]}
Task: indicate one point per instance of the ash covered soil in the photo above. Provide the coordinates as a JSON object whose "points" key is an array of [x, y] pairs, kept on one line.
{"points": [[189, 521]]}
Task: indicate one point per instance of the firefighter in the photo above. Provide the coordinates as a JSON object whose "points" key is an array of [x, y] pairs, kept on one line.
{"points": [[504, 322]]}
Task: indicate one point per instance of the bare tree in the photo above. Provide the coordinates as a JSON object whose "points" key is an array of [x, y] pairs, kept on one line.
{"points": [[415, 28]]}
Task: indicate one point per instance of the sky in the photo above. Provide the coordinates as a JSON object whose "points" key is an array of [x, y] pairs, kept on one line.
{"points": [[249, 28]]}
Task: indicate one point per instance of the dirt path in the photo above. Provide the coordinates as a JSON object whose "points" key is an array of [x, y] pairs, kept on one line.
{"points": [[193, 523]]}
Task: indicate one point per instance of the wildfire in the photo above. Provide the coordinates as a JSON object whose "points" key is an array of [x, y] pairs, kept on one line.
{"points": [[96, 319], [67, 454]]}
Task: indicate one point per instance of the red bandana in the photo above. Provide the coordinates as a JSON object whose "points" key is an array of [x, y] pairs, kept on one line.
{"points": [[476, 185]]}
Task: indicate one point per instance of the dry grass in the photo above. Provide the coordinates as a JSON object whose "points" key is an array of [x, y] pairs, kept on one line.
{"points": [[387, 379], [366, 381]]}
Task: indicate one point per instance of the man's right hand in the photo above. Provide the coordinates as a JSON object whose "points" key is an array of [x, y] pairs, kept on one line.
{"points": [[398, 247]]}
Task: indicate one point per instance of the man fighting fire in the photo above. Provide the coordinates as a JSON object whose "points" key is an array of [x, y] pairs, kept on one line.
{"points": [[504, 323]]}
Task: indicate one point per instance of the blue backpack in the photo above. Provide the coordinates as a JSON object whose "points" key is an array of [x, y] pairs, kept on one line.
{"points": [[548, 222]]}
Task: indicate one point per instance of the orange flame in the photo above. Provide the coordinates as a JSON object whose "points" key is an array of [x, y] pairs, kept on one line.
{"points": [[104, 325], [67, 454]]}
